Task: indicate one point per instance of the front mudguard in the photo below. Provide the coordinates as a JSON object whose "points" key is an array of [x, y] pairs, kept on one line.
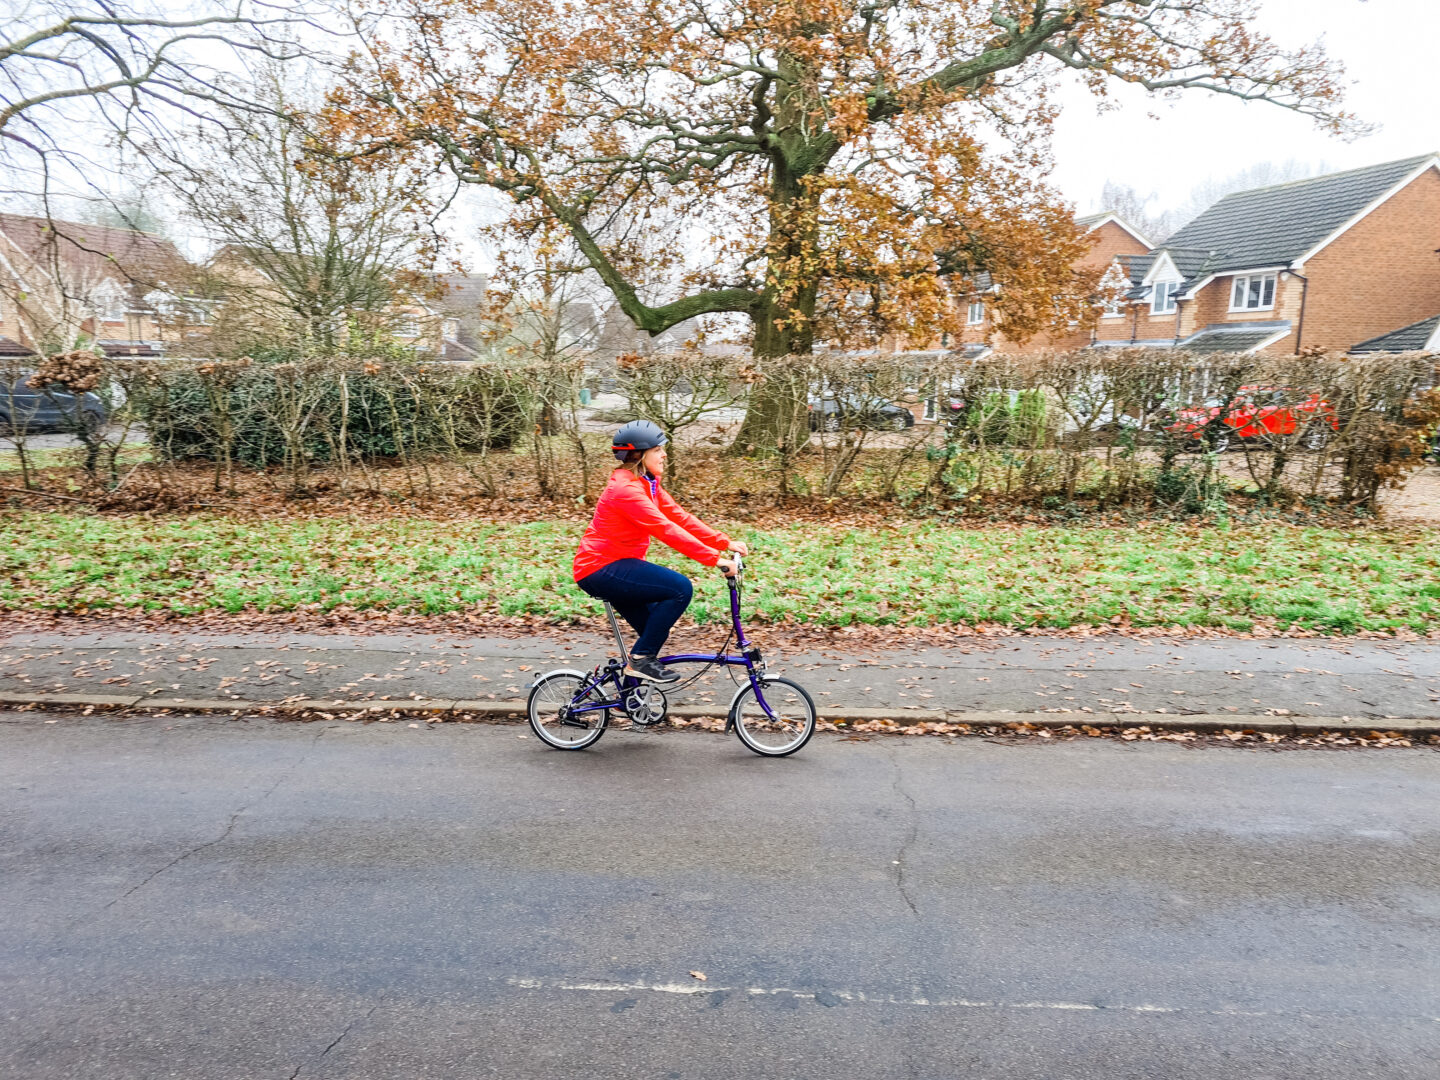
{"points": [[732, 712]]}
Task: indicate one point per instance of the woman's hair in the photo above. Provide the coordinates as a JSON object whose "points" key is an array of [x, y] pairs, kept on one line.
{"points": [[633, 463]]}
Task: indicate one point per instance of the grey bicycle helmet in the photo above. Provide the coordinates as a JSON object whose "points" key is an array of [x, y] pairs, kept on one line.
{"points": [[637, 435]]}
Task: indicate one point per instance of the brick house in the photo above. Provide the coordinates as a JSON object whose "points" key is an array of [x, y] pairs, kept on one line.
{"points": [[445, 318], [460, 310], [438, 316], [1327, 262], [66, 285], [1112, 239]]}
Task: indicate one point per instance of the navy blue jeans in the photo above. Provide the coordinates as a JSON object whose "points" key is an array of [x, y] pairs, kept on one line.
{"points": [[650, 598]]}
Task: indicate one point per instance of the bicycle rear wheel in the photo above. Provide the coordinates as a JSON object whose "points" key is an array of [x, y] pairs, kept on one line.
{"points": [[551, 699], [785, 728]]}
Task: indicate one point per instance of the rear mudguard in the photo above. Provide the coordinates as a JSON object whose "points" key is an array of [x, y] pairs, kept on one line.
{"points": [[557, 671]]}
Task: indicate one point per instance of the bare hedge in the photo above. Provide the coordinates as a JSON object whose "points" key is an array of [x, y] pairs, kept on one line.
{"points": [[1095, 428]]}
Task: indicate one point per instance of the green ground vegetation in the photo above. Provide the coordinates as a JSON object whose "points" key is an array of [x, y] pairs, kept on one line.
{"points": [[64, 457], [912, 573]]}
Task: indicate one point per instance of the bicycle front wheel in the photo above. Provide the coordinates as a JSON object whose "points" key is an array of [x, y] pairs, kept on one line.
{"points": [[551, 700], [777, 722]]}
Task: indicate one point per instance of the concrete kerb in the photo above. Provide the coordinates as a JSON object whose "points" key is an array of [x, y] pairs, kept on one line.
{"points": [[100, 701], [1203, 722]]}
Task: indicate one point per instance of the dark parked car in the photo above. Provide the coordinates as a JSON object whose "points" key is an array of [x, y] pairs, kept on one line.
{"points": [[27, 410], [832, 412]]}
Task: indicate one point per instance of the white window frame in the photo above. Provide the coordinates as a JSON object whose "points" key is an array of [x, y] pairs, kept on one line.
{"points": [[971, 311], [109, 302], [407, 326], [1241, 286], [1171, 292], [1118, 282], [450, 329]]}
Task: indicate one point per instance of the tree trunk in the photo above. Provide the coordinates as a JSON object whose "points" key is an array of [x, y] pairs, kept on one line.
{"points": [[776, 409], [784, 321]]}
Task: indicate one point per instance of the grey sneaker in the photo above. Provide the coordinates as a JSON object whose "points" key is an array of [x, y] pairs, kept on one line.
{"points": [[648, 667]]}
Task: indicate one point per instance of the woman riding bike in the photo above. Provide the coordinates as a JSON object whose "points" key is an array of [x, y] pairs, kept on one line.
{"points": [[610, 564]]}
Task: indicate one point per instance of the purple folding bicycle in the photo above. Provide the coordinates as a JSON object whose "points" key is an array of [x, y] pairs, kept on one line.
{"points": [[570, 709]]}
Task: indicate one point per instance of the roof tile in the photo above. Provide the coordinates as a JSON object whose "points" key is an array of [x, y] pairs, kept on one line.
{"points": [[1274, 226], [1412, 338]]}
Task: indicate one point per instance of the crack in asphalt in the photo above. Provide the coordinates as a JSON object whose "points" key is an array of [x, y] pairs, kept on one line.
{"points": [[914, 831], [336, 1041], [229, 827]]}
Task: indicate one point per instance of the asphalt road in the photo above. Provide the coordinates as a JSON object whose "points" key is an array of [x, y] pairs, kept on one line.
{"points": [[207, 898]]}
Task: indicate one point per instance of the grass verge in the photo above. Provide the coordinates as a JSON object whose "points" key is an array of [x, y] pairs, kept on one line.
{"points": [[1313, 578], [71, 457]]}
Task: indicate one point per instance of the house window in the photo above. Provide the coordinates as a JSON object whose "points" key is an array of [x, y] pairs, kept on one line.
{"points": [[1114, 285], [407, 326], [976, 314], [109, 302], [1162, 302], [451, 329], [1253, 293]]}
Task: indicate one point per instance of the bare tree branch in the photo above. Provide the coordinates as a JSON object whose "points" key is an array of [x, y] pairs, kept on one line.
{"points": [[125, 54]]}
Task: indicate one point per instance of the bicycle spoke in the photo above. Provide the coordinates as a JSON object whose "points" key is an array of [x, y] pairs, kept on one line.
{"points": [[786, 726], [549, 711]]}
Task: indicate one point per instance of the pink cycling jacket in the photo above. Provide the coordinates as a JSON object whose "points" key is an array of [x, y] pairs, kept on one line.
{"points": [[630, 512]]}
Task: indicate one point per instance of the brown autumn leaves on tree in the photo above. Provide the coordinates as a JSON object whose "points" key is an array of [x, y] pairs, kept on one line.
{"points": [[830, 170]]}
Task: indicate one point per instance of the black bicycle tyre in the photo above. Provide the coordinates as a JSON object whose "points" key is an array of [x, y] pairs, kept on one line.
{"points": [[533, 705], [763, 751]]}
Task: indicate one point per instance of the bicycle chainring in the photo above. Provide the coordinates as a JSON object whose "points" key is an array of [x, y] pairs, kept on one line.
{"points": [[645, 705]]}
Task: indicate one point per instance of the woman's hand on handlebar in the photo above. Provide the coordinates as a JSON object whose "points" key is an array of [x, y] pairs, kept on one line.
{"points": [[740, 546], [726, 566]]}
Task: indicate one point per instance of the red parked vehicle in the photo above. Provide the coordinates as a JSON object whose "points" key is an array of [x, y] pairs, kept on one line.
{"points": [[1257, 412]]}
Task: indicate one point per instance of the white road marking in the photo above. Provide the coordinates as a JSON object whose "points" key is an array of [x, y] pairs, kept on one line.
{"points": [[855, 996]]}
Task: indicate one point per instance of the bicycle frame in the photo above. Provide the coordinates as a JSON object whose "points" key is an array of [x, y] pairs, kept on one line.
{"points": [[749, 658]]}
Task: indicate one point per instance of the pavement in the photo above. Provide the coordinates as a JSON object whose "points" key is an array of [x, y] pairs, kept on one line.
{"points": [[1365, 681], [211, 899]]}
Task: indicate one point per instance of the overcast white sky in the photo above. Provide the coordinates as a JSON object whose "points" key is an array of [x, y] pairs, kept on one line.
{"points": [[1388, 47], [1389, 50]]}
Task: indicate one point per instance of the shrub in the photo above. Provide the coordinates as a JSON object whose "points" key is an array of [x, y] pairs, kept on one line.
{"points": [[289, 411], [1056, 431]]}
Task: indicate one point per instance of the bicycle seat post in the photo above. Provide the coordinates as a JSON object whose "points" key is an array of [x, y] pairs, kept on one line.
{"points": [[615, 629]]}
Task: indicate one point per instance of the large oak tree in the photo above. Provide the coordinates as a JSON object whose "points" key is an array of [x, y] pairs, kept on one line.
{"points": [[837, 167]]}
